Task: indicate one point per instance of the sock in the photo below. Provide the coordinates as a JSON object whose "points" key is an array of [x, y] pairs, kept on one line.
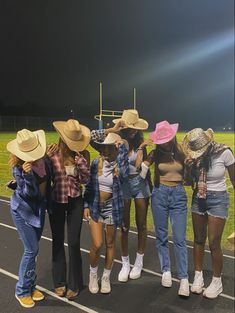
{"points": [[93, 270], [139, 258], [106, 272], [125, 259], [216, 279]]}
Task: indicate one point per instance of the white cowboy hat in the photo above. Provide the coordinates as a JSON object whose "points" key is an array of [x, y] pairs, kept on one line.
{"points": [[76, 136], [132, 120], [28, 146], [196, 142], [110, 140]]}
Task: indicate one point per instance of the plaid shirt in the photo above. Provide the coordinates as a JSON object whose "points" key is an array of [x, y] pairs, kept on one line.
{"points": [[65, 186], [91, 196], [27, 199]]}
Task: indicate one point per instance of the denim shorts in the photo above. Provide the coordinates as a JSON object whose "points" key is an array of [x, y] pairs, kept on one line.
{"points": [[136, 187], [105, 212], [217, 204]]}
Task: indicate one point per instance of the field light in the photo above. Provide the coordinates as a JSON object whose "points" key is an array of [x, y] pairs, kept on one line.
{"points": [[186, 57]]}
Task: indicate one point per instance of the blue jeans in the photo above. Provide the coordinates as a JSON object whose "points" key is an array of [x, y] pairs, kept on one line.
{"points": [[171, 201], [136, 187], [30, 237]]}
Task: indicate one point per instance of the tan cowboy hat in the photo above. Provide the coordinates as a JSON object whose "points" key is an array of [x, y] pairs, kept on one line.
{"points": [[196, 142], [231, 238], [132, 120], [76, 136], [28, 146]]}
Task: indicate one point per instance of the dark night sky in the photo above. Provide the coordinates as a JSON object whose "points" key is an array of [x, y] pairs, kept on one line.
{"points": [[179, 54]]}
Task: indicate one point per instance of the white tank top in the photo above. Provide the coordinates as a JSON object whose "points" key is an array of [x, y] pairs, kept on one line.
{"points": [[106, 179], [132, 159]]}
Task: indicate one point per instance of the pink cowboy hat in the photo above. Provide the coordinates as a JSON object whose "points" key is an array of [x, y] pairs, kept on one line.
{"points": [[164, 132]]}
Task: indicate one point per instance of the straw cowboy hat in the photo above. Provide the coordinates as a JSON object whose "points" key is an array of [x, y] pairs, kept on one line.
{"points": [[164, 132], [28, 146], [231, 238], [196, 142], [132, 120], [75, 136], [110, 140]]}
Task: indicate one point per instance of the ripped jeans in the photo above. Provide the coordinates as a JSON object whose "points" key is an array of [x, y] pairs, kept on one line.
{"points": [[30, 237]]}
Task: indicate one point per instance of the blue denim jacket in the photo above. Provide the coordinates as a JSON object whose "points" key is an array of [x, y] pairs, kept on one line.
{"points": [[91, 195], [27, 199]]}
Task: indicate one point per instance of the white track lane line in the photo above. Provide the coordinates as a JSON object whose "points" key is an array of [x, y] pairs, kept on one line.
{"points": [[73, 303], [152, 237], [120, 262]]}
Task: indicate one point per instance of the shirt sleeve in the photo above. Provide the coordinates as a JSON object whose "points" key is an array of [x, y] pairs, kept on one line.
{"points": [[82, 168], [26, 183], [228, 157]]}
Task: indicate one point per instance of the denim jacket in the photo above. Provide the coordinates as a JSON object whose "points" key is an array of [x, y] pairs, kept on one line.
{"points": [[27, 199], [91, 195]]}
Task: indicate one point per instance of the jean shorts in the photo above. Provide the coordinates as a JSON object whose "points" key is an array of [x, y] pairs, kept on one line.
{"points": [[217, 204], [136, 187], [105, 212]]}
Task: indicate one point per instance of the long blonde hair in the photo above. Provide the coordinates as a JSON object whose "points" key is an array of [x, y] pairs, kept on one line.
{"points": [[15, 161]]}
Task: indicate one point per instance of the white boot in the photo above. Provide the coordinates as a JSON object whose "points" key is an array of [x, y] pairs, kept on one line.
{"points": [[184, 287], [214, 289], [93, 280], [124, 273], [198, 282], [166, 279], [136, 270], [105, 282]]}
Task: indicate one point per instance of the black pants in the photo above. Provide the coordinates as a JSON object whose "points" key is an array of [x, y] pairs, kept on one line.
{"points": [[73, 211]]}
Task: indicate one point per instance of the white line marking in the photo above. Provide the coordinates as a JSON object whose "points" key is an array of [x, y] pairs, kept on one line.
{"points": [[153, 237], [120, 262], [73, 303]]}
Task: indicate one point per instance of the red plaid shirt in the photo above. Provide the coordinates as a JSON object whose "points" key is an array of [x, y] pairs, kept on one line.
{"points": [[65, 186]]}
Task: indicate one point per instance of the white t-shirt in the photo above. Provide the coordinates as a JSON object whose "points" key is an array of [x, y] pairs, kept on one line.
{"points": [[216, 180]]}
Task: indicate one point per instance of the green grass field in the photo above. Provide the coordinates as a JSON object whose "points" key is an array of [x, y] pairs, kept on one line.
{"points": [[52, 137]]}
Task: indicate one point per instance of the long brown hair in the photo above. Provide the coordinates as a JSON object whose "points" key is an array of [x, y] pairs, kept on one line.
{"points": [[66, 153], [176, 154], [136, 141]]}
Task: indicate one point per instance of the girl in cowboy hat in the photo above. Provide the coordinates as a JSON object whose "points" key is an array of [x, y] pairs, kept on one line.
{"points": [[134, 187], [70, 170], [28, 205], [104, 204], [206, 163], [169, 200]]}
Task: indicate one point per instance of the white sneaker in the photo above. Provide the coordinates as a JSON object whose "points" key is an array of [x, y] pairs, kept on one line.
{"points": [[198, 283], [214, 289], [105, 284], [124, 273], [135, 273], [93, 283], [166, 279], [184, 288]]}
